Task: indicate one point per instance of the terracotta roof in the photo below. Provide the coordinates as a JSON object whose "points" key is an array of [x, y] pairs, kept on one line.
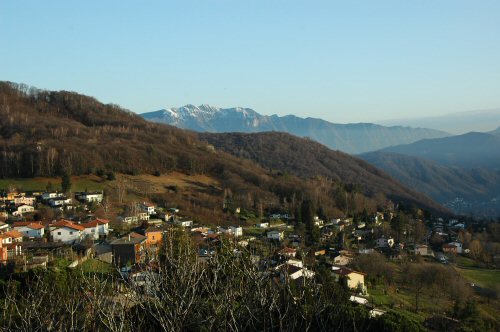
{"points": [[14, 234], [287, 250], [31, 225], [102, 221], [68, 224]]}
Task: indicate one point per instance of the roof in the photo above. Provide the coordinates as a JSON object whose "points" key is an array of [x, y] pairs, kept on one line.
{"points": [[132, 238], [68, 224], [14, 234], [289, 269], [95, 223], [287, 250], [344, 271], [28, 224], [449, 246], [147, 204]]}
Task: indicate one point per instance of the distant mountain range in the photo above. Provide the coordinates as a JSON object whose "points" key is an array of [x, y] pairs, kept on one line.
{"points": [[456, 123], [470, 150], [351, 138], [462, 172]]}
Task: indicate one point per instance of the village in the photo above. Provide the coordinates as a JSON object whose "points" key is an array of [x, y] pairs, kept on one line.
{"points": [[131, 243]]}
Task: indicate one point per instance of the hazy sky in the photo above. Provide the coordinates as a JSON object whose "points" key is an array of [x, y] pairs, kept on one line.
{"points": [[344, 61]]}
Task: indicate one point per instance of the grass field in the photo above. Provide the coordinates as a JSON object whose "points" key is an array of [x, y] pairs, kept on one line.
{"points": [[483, 277], [94, 265], [79, 183]]}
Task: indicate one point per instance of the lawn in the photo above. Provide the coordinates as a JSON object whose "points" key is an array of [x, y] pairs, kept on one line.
{"points": [[79, 183], [483, 277]]}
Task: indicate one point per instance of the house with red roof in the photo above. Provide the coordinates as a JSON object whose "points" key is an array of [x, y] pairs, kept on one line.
{"points": [[66, 231], [29, 229], [97, 228]]}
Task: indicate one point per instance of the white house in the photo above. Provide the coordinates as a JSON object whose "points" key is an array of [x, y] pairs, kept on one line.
{"points": [[146, 207], [22, 209], [458, 245], [27, 200], [275, 235], [384, 242], [66, 231], [183, 223], [59, 201], [96, 228], [48, 195], [236, 231], [29, 229], [262, 225], [89, 197], [293, 272]]}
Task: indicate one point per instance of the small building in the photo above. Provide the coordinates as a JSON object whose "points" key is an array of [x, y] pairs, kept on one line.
{"points": [[20, 210], [458, 245], [12, 236], [95, 229], [90, 197], [450, 248], [183, 222], [60, 201], [276, 235], [29, 229], [46, 196], [130, 249], [262, 225], [288, 252], [292, 272], [354, 278], [147, 207], [66, 231], [421, 249], [24, 200], [384, 242], [236, 231]]}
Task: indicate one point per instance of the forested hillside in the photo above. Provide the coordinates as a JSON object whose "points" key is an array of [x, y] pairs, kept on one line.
{"points": [[306, 158], [46, 133]]}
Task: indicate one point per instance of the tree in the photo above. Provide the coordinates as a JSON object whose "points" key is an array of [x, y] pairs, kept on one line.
{"points": [[66, 183]]}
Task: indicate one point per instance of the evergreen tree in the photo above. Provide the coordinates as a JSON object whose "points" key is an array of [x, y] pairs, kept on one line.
{"points": [[66, 183]]}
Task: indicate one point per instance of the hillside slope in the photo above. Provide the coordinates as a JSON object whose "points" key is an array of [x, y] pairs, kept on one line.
{"points": [[470, 150], [46, 133], [306, 158], [350, 138]]}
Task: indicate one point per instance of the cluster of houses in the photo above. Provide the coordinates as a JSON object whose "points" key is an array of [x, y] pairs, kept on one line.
{"points": [[15, 205]]}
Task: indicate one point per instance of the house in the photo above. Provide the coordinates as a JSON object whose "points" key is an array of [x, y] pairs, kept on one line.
{"points": [[3, 253], [4, 226], [129, 220], [458, 245], [421, 249], [29, 229], [130, 249], [384, 242], [354, 279], [288, 252], [22, 209], [143, 216], [24, 200], [154, 236], [342, 259], [48, 195], [450, 248], [67, 232], [183, 222], [262, 225], [237, 231], [59, 201], [97, 228], [90, 197], [149, 208], [292, 272], [275, 235], [12, 236]]}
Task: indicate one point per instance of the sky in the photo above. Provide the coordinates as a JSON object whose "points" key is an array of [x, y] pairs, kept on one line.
{"points": [[343, 61]]}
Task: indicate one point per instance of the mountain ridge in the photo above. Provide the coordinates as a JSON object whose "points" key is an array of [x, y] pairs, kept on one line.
{"points": [[351, 138]]}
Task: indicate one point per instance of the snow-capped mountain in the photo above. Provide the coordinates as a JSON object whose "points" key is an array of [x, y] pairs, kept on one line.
{"points": [[351, 138]]}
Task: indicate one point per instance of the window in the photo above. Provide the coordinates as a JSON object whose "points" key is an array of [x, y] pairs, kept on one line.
{"points": [[58, 233], [70, 233]]}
